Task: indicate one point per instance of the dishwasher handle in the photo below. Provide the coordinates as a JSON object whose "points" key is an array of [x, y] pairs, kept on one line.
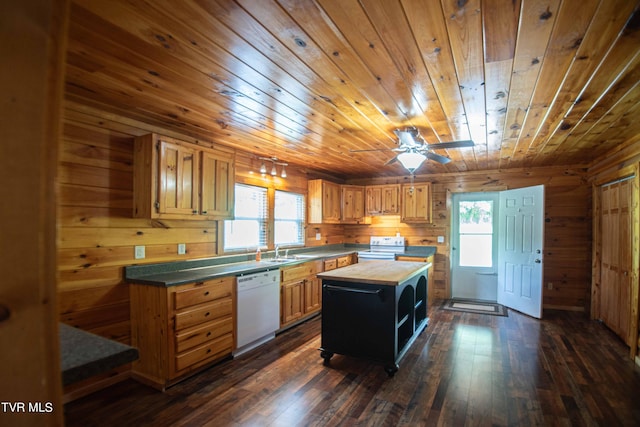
{"points": [[378, 292]]}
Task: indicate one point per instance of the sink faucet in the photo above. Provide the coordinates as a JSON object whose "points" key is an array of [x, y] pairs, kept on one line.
{"points": [[277, 251]]}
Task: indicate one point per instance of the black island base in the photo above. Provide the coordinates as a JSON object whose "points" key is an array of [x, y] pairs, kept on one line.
{"points": [[373, 319]]}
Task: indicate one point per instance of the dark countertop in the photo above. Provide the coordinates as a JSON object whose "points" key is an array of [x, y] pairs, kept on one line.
{"points": [[83, 354], [419, 251], [182, 272]]}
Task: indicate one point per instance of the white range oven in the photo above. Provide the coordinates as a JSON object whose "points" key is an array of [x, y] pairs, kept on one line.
{"points": [[382, 248]]}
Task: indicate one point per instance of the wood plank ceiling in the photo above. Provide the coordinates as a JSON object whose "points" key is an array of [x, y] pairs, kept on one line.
{"points": [[532, 83]]}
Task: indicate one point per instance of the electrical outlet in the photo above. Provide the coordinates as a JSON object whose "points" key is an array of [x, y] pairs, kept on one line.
{"points": [[182, 249], [440, 239], [139, 252]]}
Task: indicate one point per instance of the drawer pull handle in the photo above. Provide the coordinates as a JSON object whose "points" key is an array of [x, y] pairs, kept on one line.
{"points": [[206, 294], [206, 314], [209, 333], [208, 350]]}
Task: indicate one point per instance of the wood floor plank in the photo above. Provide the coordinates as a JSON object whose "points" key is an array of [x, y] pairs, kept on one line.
{"points": [[463, 370]]}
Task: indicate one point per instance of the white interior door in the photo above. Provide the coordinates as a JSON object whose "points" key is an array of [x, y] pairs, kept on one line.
{"points": [[520, 250], [474, 264]]}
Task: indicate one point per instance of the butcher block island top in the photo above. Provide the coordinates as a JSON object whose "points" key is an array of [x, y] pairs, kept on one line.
{"points": [[389, 273]]}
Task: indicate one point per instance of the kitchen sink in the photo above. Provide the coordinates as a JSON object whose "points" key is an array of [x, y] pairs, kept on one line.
{"points": [[279, 259]]}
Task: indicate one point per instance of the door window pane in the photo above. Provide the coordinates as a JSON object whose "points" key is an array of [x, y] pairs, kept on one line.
{"points": [[476, 233], [476, 250]]}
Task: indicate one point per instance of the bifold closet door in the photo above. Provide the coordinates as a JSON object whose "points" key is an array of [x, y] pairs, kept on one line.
{"points": [[615, 301]]}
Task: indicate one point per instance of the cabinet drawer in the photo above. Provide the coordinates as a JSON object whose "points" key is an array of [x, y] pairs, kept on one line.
{"points": [[330, 264], [343, 261], [197, 335], [205, 313], [203, 292], [298, 272], [210, 350]]}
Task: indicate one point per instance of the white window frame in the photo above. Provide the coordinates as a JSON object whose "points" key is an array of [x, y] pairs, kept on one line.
{"points": [[261, 215], [294, 213]]}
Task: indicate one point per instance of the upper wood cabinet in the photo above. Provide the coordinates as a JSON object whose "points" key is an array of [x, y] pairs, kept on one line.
{"points": [[176, 180], [416, 202], [382, 199], [352, 209], [323, 202]]}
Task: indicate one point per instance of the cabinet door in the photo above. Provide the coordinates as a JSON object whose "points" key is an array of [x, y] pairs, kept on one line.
{"points": [[352, 204], [292, 301], [416, 202], [312, 295], [390, 196], [178, 179], [217, 184], [374, 200], [330, 202]]}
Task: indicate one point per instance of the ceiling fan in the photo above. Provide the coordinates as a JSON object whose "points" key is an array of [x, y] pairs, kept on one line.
{"points": [[414, 150]]}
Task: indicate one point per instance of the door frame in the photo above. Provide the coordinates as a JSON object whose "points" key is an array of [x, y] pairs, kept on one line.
{"points": [[635, 248], [454, 248], [33, 122]]}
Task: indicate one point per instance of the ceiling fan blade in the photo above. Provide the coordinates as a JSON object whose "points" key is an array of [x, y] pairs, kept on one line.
{"points": [[437, 157], [391, 161], [452, 144], [372, 149]]}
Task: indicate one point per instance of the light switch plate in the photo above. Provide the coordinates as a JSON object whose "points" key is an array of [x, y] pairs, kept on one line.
{"points": [[182, 249], [318, 236], [139, 252], [440, 239]]}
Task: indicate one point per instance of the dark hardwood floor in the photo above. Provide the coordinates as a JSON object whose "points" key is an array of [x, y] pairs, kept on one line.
{"points": [[465, 369]]}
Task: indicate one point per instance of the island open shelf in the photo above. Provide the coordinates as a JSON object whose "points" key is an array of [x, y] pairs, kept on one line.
{"points": [[373, 310]]}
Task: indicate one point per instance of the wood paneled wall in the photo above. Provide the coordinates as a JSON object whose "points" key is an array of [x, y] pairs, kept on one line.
{"points": [[567, 231], [623, 162], [96, 227]]}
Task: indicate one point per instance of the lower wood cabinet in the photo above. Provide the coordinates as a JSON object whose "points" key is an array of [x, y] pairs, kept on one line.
{"points": [[300, 292], [343, 261], [430, 288], [181, 329]]}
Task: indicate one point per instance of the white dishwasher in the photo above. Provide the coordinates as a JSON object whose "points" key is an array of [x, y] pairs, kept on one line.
{"points": [[258, 309]]}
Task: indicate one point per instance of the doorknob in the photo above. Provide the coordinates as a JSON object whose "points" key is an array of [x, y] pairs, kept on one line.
{"points": [[537, 261]]}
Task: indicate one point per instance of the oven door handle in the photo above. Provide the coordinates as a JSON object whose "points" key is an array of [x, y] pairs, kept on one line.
{"points": [[378, 292]]}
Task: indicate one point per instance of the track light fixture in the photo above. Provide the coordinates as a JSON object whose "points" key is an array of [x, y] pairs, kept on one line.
{"points": [[274, 162]]}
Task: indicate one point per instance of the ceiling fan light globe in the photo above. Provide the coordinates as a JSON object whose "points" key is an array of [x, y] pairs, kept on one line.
{"points": [[411, 160]]}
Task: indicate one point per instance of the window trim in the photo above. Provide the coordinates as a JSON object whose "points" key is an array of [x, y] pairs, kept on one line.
{"points": [[263, 241], [302, 220]]}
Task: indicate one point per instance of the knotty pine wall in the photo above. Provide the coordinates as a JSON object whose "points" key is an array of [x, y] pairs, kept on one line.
{"points": [[567, 261], [622, 162], [97, 232]]}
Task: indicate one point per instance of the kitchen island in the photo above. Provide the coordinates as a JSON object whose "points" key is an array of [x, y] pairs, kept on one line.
{"points": [[373, 310]]}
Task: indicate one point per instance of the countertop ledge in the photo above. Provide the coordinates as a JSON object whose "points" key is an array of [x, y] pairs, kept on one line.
{"points": [[83, 354], [183, 272]]}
